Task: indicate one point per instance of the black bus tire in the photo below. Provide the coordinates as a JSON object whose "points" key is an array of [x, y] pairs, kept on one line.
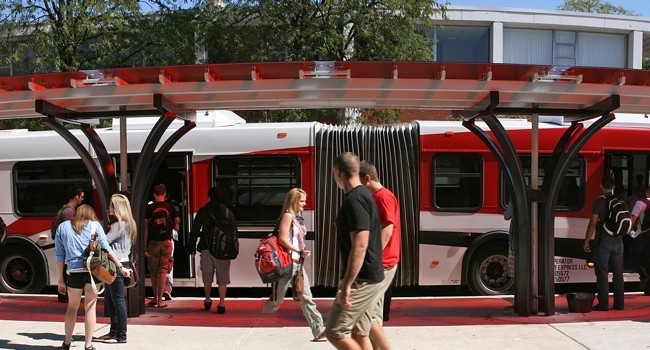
{"points": [[22, 271], [487, 274]]}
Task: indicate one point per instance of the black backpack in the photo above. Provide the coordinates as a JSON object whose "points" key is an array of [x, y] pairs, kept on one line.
{"points": [[222, 236], [618, 221], [161, 219]]}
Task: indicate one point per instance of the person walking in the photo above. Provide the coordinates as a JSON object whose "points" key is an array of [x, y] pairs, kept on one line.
{"points": [[291, 235], [391, 241], [71, 239], [121, 237], [640, 247], [162, 219], [358, 232], [210, 266], [607, 251]]}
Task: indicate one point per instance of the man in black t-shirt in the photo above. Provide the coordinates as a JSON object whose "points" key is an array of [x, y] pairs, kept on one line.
{"points": [[607, 251], [161, 219], [359, 238]]}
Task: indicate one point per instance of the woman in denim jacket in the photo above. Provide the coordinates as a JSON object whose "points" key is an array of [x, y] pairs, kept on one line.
{"points": [[72, 238]]}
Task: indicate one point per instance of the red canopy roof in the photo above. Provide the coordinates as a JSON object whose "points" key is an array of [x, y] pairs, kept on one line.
{"points": [[340, 84]]}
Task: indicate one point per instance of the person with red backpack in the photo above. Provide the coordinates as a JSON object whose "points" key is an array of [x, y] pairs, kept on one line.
{"points": [[161, 219], [640, 248], [291, 235]]}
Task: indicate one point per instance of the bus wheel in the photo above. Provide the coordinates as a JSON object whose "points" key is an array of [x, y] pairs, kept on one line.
{"points": [[20, 270], [488, 274]]}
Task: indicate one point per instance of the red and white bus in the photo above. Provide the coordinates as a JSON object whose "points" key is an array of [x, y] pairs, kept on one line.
{"points": [[451, 190]]}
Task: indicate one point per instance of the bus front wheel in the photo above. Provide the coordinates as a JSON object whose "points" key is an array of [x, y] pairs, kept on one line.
{"points": [[488, 271], [20, 270]]}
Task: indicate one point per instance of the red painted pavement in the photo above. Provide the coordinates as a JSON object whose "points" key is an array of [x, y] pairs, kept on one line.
{"points": [[404, 312]]}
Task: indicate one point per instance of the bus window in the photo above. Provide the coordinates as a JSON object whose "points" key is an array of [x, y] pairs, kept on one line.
{"points": [[255, 186], [457, 180], [572, 190], [42, 187]]}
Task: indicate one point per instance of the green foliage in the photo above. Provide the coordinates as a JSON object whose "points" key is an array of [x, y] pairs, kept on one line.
{"points": [[594, 6], [646, 63], [267, 30]]}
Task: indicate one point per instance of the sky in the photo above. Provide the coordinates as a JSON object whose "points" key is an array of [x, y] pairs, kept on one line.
{"points": [[641, 7]]}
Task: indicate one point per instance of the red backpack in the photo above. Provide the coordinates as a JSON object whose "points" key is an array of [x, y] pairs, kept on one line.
{"points": [[272, 260]]}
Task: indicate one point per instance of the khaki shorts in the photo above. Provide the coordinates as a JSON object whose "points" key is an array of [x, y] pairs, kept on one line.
{"points": [[211, 265], [340, 321], [375, 314], [161, 260]]}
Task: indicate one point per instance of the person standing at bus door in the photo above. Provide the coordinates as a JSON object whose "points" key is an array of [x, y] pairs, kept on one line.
{"points": [[162, 219], [389, 216], [291, 235], [640, 248], [121, 237], [508, 215], [71, 239], [77, 196], [210, 265], [607, 251], [358, 232]]}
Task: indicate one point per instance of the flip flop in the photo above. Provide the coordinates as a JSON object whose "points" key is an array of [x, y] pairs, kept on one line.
{"points": [[162, 306], [320, 337]]}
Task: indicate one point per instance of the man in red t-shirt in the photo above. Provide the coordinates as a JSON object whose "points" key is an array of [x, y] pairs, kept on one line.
{"points": [[389, 216]]}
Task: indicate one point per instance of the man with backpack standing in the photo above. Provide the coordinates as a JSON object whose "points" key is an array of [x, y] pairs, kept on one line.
{"points": [[606, 213], [162, 219], [215, 228], [640, 248]]}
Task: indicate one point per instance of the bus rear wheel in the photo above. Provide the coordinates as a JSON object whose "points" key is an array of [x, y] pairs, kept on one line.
{"points": [[488, 271], [20, 271]]}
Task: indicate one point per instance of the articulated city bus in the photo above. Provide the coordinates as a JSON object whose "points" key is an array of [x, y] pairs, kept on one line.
{"points": [[451, 189]]}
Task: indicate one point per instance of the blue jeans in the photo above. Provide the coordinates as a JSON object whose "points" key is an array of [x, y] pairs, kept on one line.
{"points": [[115, 304], [609, 252]]}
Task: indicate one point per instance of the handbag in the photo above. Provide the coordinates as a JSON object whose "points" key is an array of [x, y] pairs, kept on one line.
{"points": [[298, 283], [98, 263], [132, 280]]}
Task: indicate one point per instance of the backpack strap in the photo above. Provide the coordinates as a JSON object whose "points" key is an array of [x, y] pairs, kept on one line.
{"points": [[91, 253]]}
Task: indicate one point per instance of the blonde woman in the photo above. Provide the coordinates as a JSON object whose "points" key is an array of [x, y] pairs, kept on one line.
{"points": [[122, 236], [72, 238], [291, 235]]}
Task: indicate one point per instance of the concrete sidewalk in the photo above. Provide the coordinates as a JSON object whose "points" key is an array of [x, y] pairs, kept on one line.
{"points": [[36, 322]]}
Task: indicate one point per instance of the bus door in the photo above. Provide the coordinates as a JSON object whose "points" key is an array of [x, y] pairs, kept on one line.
{"points": [[630, 171]]}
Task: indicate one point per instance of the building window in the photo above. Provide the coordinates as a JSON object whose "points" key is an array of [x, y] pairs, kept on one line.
{"points": [[255, 186], [42, 187], [461, 44], [457, 180], [564, 48], [602, 50], [527, 46]]}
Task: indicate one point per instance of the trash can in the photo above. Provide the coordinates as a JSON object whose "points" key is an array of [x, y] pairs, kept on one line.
{"points": [[580, 302]]}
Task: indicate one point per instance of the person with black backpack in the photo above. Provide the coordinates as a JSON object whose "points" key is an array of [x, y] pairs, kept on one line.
{"points": [[640, 248], [162, 219], [216, 230], [610, 220]]}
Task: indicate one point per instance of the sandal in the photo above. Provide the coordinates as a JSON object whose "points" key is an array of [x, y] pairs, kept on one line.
{"points": [[90, 348], [319, 337], [65, 346], [152, 303], [162, 306]]}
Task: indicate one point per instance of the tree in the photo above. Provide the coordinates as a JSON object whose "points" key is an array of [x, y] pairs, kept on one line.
{"points": [[594, 6], [54, 35], [327, 30]]}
